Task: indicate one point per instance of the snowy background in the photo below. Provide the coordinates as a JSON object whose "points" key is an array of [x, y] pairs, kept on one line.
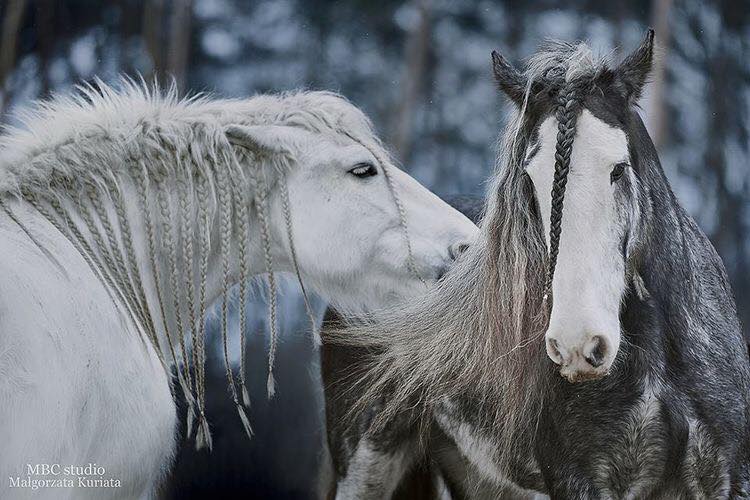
{"points": [[421, 70]]}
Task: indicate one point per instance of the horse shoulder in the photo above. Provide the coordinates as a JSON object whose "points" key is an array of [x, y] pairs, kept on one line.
{"points": [[77, 382]]}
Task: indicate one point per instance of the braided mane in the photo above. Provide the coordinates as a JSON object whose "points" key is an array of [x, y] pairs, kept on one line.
{"points": [[133, 113], [74, 157]]}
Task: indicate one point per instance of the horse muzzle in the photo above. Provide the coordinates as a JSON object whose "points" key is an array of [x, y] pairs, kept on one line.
{"points": [[582, 361]]}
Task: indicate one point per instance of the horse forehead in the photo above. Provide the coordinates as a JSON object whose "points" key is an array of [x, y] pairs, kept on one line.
{"points": [[595, 139], [325, 148], [599, 140]]}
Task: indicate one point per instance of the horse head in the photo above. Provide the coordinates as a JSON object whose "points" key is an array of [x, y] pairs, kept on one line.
{"points": [[584, 145], [365, 231]]}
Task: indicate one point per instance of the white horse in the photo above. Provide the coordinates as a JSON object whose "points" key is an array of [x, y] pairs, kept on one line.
{"points": [[124, 214]]}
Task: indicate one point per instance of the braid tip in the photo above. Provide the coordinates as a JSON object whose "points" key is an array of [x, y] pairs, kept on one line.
{"points": [[190, 421], [203, 435], [317, 339], [271, 385], [245, 420], [245, 396]]}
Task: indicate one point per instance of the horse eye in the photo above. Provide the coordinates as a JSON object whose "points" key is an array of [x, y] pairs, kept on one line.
{"points": [[364, 170], [617, 171]]}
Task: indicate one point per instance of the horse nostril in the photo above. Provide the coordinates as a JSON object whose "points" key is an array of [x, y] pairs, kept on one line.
{"points": [[456, 249], [597, 351], [553, 351]]}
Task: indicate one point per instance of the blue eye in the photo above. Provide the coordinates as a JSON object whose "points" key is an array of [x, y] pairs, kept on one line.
{"points": [[364, 170], [617, 171]]}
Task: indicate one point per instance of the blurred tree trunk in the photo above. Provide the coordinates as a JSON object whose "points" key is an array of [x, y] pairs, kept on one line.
{"points": [[654, 98], [14, 11], [153, 12], [179, 41], [128, 28], [45, 33], [417, 50], [727, 122]]}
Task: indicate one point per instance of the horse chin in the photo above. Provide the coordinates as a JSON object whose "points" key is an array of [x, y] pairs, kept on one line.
{"points": [[377, 293], [577, 377], [405, 289]]}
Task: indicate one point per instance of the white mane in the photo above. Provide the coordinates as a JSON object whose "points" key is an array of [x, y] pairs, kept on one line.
{"points": [[101, 112]]}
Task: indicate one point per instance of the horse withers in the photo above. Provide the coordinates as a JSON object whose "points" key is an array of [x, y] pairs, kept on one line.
{"points": [[587, 352]]}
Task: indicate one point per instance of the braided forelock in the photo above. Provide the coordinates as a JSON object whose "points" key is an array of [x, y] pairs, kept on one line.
{"points": [[567, 109], [286, 209], [477, 333], [567, 71]]}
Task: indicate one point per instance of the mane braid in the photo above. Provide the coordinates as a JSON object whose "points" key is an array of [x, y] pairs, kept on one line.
{"points": [[116, 253], [106, 260], [39, 207], [203, 435], [84, 245], [290, 236], [141, 179], [127, 238], [168, 242], [19, 223], [224, 191], [258, 179], [243, 225], [185, 218]]}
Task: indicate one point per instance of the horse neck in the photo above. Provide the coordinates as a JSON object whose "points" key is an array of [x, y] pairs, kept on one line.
{"points": [[685, 287], [167, 246]]}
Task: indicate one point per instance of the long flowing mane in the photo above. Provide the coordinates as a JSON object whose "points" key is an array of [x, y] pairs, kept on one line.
{"points": [[74, 157], [478, 335]]}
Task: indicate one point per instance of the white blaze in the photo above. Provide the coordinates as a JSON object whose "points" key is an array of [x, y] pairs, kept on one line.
{"points": [[589, 278]]}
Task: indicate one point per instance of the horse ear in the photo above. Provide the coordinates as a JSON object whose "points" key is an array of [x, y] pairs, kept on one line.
{"points": [[269, 139], [508, 78], [632, 73]]}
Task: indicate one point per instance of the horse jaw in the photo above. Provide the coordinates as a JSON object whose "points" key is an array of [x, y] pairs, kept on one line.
{"points": [[583, 335]]}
